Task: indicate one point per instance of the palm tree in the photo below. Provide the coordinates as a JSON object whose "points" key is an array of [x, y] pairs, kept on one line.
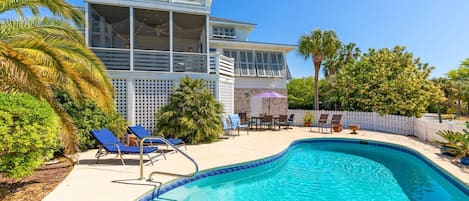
{"points": [[192, 114], [343, 56], [37, 53], [318, 45]]}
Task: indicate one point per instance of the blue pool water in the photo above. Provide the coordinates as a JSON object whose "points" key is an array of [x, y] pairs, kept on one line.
{"points": [[334, 170]]}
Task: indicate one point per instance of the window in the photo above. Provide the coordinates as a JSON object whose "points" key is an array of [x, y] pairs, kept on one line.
{"points": [[266, 64], [244, 62], [263, 64], [277, 64], [224, 32]]}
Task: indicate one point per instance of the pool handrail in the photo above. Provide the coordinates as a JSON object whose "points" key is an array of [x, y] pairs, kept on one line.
{"points": [[175, 148]]}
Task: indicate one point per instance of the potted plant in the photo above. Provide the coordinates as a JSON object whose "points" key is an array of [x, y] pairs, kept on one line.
{"points": [[308, 118], [450, 147], [463, 148]]}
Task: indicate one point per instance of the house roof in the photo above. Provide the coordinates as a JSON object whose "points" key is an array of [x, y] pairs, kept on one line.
{"points": [[223, 20], [252, 45]]}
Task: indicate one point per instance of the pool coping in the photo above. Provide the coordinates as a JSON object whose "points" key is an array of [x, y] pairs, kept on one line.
{"points": [[175, 183]]}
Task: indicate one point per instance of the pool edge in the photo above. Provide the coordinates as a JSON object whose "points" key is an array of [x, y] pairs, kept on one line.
{"points": [[175, 183]]}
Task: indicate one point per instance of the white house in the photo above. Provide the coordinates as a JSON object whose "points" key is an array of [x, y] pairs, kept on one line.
{"points": [[148, 45]]}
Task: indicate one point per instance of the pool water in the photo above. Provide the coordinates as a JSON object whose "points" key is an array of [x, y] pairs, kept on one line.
{"points": [[327, 171]]}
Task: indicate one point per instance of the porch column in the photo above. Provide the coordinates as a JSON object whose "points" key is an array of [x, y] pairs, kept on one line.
{"points": [[131, 11], [171, 69], [87, 24], [131, 117]]}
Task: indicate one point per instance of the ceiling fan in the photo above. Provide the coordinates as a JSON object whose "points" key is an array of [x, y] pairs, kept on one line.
{"points": [[162, 29]]}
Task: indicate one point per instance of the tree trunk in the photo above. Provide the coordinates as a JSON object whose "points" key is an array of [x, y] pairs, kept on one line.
{"points": [[439, 113], [317, 66]]}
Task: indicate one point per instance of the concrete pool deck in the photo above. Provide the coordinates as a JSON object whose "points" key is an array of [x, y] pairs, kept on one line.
{"points": [[109, 180]]}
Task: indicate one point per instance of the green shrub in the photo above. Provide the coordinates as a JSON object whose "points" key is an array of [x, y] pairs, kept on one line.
{"points": [[88, 116], [29, 131], [192, 114]]}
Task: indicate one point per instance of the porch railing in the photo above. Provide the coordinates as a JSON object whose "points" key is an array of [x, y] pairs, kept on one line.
{"points": [[220, 64], [114, 58], [159, 61], [190, 2], [151, 60], [190, 62]]}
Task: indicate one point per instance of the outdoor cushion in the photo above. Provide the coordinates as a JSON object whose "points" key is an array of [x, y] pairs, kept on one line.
{"points": [[109, 142], [141, 133]]}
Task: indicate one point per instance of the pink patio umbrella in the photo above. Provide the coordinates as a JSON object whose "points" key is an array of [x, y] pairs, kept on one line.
{"points": [[269, 95]]}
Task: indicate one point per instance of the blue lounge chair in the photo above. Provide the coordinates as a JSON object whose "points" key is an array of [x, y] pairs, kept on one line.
{"points": [[226, 128], [236, 123], [110, 144], [141, 133]]}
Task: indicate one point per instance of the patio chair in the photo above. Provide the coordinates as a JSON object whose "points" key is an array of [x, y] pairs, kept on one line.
{"points": [[282, 121], [335, 121], [108, 143], [141, 133], [236, 123], [291, 119], [267, 121], [226, 128], [322, 122], [245, 120]]}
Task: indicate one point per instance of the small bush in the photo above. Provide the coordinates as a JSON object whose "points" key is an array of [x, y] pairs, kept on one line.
{"points": [[29, 131], [88, 116], [192, 114]]}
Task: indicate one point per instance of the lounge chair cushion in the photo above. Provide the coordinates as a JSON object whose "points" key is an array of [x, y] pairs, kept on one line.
{"points": [[109, 142], [141, 133]]}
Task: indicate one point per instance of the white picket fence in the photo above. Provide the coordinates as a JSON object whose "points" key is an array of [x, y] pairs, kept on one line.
{"points": [[387, 123], [426, 130]]}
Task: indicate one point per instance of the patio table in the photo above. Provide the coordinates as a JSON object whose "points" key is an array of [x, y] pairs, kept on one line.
{"points": [[258, 120]]}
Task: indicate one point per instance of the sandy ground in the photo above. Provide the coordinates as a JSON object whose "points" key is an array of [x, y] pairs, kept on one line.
{"points": [[109, 180]]}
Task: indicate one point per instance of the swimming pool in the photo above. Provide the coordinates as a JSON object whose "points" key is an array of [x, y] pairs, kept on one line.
{"points": [[323, 169]]}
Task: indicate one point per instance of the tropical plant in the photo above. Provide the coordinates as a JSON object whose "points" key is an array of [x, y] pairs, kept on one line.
{"points": [[192, 113], [39, 52], [318, 45], [460, 77], [87, 116], [451, 137], [344, 55], [28, 134], [463, 145], [301, 93], [308, 118], [388, 82]]}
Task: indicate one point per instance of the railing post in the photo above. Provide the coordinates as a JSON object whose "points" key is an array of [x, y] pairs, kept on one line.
{"points": [[217, 63], [131, 11], [207, 43], [171, 55], [87, 24]]}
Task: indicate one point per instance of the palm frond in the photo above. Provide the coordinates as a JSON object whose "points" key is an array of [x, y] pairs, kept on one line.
{"points": [[58, 8]]}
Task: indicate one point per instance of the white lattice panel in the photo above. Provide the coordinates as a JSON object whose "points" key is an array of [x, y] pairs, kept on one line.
{"points": [[212, 86], [226, 96], [150, 95], [120, 85]]}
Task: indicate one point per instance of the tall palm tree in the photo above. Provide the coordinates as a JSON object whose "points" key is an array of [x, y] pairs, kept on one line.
{"points": [[37, 53], [318, 45], [344, 55]]}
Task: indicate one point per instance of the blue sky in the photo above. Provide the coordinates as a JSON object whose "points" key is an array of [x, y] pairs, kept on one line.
{"points": [[434, 30]]}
